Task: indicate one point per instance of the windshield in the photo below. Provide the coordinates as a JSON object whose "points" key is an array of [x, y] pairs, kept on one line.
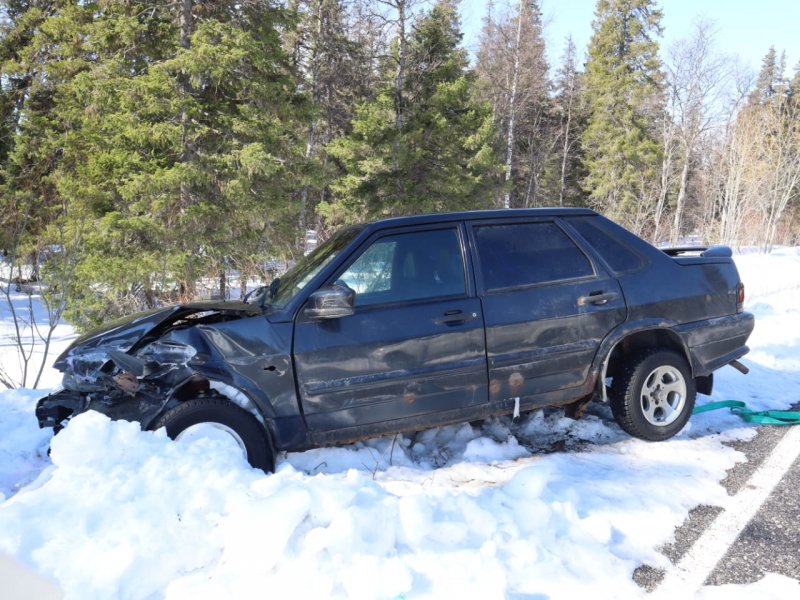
{"points": [[284, 289]]}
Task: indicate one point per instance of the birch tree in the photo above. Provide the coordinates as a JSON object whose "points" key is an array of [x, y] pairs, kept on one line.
{"points": [[695, 79], [570, 107], [762, 160], [512, 76], [780, 157]]}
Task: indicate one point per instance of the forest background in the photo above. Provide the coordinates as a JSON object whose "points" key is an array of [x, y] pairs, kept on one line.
{"points": [[154, 150]]}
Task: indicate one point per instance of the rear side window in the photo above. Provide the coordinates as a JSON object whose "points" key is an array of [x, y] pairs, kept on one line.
{"points": [[618, 256], [521, 254]]}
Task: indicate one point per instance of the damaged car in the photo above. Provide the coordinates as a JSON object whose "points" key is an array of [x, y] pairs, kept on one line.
{"points": [[416, 322]]}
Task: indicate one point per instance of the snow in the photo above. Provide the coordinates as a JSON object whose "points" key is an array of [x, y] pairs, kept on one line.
{"points": [[32, 321], [546, 507]]}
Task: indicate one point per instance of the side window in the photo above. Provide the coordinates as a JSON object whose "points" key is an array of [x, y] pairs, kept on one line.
{"points": [[408, 266], [372, 271], [520, 254], [618, 256]]}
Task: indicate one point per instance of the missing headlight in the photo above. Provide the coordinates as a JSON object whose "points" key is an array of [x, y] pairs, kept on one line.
{"points": [[163, 352]]}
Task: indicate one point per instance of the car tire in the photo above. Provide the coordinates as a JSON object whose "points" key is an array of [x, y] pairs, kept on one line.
{"points": [[221, 414], [653, 395]]}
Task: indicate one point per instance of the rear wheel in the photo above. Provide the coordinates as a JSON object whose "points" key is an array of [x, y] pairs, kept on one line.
{"points": [[652, 397], [216, 416]]}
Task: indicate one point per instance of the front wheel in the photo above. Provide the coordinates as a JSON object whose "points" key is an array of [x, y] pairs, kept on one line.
{"points": [[216, 415], [652, 397]]}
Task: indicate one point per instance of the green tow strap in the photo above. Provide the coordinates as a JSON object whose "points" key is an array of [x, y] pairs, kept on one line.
{"points": [[764, 417]]}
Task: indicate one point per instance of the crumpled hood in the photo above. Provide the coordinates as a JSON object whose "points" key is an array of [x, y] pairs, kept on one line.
{"points": [[133, 331]]}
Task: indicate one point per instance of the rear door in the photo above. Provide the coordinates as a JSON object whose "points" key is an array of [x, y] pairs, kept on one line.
{"points": [[413, 348], [547, 306]]}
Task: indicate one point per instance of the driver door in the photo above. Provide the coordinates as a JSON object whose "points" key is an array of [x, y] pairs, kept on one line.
{"points": [[414, 346]]}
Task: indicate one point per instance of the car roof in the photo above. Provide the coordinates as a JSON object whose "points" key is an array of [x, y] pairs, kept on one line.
{"points": [[480, 215]]}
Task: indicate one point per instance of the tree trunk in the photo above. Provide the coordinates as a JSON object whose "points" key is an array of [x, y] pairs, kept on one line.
{"points": [[565, 148], [185, 20], [681, 203], [666, 170], [399, 82], [512, 107], [312, 134]]}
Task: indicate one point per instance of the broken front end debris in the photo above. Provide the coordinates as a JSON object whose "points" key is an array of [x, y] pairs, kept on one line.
{"points": [[136, 368]]}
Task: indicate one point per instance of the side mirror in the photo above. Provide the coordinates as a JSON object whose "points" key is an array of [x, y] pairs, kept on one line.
{"points": [[331, 302]]}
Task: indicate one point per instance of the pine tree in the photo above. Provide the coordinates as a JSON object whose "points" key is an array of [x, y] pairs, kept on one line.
{"points": [[440, 158], [623, 86]]}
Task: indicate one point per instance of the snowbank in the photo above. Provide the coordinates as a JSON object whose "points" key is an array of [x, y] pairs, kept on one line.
{"points": [[122, 513]]}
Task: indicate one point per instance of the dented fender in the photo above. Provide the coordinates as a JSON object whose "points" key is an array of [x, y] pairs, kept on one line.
{"points": [[137, 369], [726, 337]]}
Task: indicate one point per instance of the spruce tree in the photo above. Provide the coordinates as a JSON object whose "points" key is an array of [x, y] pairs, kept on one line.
{"points": [[768, 80], [38, 54], [794, 87], [623, 87], [170, 145], [334, 68], [440, 158]]}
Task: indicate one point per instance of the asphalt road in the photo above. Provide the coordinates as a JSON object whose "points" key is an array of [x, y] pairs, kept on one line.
{"points": [[756, 533]]}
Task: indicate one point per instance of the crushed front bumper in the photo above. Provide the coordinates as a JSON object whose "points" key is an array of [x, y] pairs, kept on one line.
{"points": [[54, 410]]}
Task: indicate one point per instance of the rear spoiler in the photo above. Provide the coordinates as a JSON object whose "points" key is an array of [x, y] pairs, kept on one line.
{"points": [[706, 252]]}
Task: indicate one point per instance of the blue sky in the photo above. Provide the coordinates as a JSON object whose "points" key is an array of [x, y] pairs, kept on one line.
{"points": [[743, 28]]}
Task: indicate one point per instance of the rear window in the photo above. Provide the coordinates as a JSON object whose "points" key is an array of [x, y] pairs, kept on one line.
{"points": [[617, 255], [521, 254]]}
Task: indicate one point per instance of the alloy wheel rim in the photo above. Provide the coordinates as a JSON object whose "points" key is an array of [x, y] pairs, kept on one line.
{"points": [[663, 396]]}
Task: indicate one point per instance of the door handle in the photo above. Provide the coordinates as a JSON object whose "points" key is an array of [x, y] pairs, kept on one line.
{"points": [[455, 317], [597, 298]]}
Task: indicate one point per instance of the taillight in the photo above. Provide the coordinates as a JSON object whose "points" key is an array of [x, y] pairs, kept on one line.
{"points": [[740, 297]]}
